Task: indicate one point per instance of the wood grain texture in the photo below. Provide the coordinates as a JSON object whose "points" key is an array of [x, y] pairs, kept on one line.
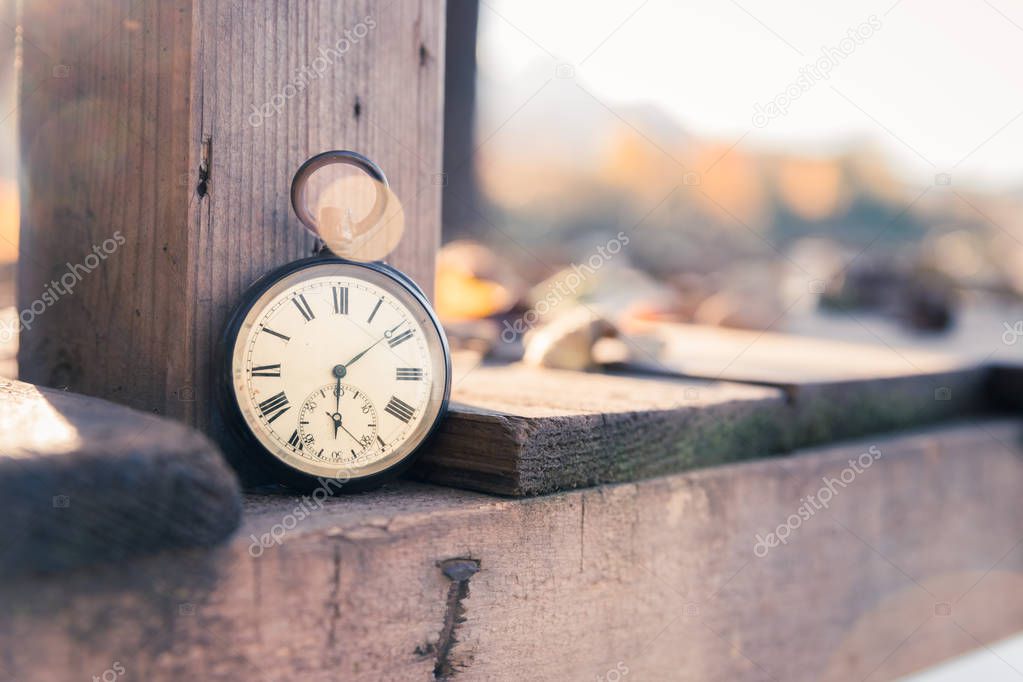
{"points": [[658, 576], [104, 123], [83, 480], [836, 390], [513, 430], [180, 124], [273, 86], [519, 431]]}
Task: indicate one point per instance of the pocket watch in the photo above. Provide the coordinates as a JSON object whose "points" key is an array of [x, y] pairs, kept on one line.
{"points": [[334, 369]]}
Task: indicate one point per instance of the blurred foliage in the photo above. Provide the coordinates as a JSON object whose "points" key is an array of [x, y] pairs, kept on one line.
{"points": [[723, 233]]}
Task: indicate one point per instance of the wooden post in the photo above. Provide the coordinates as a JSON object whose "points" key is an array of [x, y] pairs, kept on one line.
{"points": [[159, 138]]}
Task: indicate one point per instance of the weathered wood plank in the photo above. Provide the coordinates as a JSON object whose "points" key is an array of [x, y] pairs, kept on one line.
{"points": [[104, 119], [521, 431], [178, 124], [84, 481], [275, 83], [837, 390], [661, 577]]}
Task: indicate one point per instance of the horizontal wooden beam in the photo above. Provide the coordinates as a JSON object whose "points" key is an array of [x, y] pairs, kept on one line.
{"points": [[520, 431], [665, 578]]}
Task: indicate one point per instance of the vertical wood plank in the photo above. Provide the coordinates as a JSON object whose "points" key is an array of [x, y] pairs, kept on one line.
{"points": [[284, 83], [104, 116], [118, 145]]}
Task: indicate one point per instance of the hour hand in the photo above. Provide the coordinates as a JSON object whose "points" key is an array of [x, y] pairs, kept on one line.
{"points": [[336, 418]]}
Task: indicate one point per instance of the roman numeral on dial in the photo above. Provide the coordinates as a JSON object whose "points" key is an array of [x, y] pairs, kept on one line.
{"points": [[408, 374], [266, 371], [341, 300], [277, 334], [274, 406], [293, 441], [400, 338], [303, 307], [400, 409]]}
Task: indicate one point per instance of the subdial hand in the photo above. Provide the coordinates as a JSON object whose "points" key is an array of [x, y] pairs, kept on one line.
{"points": [[336, 418], [350, 434]]}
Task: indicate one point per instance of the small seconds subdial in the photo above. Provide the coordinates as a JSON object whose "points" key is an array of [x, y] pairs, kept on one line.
{"points": [[336, 423]]}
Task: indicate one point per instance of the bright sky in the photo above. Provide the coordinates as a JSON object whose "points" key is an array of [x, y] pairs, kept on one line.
{"points": [[938, 85]]}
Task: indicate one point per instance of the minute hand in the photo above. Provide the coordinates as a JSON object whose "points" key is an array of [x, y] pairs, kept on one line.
{"points": [[387, 335]]}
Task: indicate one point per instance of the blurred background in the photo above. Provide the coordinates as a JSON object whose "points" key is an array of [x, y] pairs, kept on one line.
{"points": [[847, 172], [850, 172], [8, 154]]}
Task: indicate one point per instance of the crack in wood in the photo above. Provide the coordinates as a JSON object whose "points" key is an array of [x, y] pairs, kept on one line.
{"points": [[458, 571], [205, 159], [582, 533], [335, 596]]}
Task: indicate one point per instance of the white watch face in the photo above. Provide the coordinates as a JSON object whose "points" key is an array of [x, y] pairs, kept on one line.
{"points": [[339, 370]]}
